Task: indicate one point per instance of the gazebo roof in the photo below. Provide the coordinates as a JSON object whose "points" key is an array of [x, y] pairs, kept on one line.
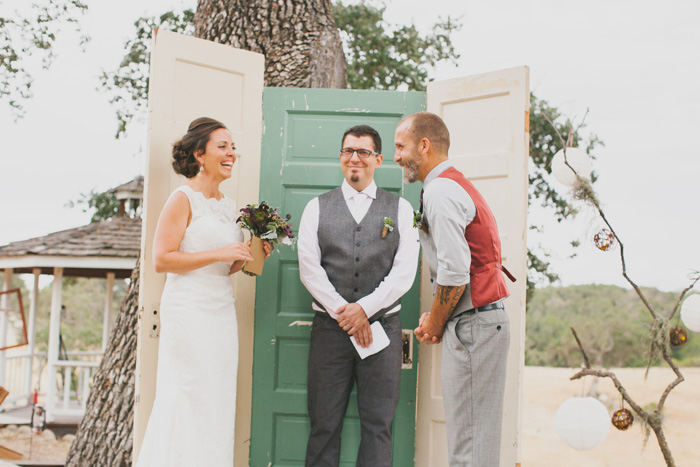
{"points": [[88, 251], [132, 189]]}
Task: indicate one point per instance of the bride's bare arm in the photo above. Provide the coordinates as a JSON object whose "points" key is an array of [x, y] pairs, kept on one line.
{"points": [[171, 227]]}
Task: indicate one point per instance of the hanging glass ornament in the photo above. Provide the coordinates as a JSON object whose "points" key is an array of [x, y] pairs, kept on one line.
{"points": [[678, 335], [604, 240], [622, 419]]}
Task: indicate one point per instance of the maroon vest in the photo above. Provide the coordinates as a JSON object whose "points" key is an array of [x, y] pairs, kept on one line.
{"points": [[486, 281]]}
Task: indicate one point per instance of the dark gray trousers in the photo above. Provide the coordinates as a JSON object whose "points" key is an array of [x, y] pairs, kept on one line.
{"points": [[334, 366]]}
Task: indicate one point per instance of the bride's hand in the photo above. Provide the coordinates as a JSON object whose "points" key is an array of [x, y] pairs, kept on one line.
{"points": [[268, 247], [236, 251]]}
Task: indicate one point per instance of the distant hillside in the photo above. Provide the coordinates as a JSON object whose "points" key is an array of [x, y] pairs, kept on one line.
{"points": [[611, 321]]}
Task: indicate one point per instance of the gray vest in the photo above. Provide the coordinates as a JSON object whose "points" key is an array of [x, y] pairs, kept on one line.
{"points": [[355, 256]]}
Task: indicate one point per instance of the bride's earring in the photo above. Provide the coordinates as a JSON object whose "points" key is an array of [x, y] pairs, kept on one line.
{"points": [[201, 169]]}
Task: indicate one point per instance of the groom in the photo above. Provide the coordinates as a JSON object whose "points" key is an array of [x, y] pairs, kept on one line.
{"points": [[356, 276], [460, 240]]}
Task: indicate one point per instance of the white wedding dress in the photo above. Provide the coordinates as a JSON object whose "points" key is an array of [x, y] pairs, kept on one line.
{"points": [[193, 417]]}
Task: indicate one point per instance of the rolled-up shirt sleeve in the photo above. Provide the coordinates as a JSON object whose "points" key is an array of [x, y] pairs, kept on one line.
{"points": [[448, 210]]}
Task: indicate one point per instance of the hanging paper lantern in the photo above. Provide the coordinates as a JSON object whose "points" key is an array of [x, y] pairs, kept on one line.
{"points": [[690, 312], [578, 159], [582, 422], [678, 335], [604, 240], [622, 419]]}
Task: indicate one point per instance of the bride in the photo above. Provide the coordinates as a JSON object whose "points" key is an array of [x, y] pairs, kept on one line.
{"points": [[199, 244]]}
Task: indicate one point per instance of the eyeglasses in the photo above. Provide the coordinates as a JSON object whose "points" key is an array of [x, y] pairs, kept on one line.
{"points": [[361, 153]]}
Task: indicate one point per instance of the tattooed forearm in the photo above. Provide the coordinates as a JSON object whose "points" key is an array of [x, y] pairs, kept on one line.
{"points": [[448, 296], [431, 328]]}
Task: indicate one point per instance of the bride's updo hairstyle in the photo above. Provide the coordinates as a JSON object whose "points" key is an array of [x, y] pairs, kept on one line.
{"points": [[194, 142]]}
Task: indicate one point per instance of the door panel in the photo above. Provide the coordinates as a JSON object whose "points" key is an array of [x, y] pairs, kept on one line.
{"points": [[191, 78], [487, 116], [301, 144]]}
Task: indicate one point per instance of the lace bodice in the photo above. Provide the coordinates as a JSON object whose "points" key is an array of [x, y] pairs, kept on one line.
{"points": [[213, 226]]}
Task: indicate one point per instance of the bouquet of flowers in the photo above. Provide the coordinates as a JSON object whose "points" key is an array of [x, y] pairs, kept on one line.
{"points": [[264, 223]]}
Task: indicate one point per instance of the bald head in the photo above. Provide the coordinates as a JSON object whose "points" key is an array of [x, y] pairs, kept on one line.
{"points": [[431, 127]]}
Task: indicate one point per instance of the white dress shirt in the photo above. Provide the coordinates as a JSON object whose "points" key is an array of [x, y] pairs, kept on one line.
{"points": [[394, 285], [447, 210]]}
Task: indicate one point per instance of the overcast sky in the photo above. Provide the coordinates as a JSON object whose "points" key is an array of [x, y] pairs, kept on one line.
{"points": [[634, 64]]}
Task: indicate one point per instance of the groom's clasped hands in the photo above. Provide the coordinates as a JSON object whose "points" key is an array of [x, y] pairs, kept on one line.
{"points": [[353, 320]]}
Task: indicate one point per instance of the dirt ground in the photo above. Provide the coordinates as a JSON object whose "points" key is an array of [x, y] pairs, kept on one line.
{"points": [[44, 447], [544, 391]]}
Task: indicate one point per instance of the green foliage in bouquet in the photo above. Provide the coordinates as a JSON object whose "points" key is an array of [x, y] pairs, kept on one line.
{"points": [[264, 222]]}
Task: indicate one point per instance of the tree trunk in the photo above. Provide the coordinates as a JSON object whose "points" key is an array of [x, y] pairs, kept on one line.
{"points": [[299, 38], [302, 49], [104, 436]]}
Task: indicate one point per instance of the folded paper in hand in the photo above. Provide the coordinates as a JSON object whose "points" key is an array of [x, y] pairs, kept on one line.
{"points": [[379, 341]]}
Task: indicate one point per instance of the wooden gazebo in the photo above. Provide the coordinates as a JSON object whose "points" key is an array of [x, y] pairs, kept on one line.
{"points": [[103, 249]]}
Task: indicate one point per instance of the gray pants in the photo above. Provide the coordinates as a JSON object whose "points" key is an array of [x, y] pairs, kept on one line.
{"points": [[474, 357], [334, 366]]}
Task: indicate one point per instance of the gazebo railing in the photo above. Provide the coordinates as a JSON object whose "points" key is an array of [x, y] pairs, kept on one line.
{"points": [[73, 378], [76, 382], [18, 382]]}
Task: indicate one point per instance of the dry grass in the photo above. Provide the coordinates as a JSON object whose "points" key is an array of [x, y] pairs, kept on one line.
{"points": [[546, 388]]}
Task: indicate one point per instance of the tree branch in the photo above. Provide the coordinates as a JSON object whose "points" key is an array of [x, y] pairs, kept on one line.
{"points": [[584, 191], [685, 291], [580, 346]]}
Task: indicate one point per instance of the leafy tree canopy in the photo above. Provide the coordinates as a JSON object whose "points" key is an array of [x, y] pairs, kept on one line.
{"points": [[32, 34], [128, 84], [611, 321], [385, 56], [102, 205]]}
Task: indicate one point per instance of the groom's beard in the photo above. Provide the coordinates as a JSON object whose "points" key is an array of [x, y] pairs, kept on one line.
{"points": [[411, 167]]}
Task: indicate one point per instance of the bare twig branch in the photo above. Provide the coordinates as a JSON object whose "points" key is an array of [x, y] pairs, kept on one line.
{"points": [[618, 385], [624, 264], [584, 191], [583, 121], [685, 291], [580, 346], [653, 419], [679, 379]]}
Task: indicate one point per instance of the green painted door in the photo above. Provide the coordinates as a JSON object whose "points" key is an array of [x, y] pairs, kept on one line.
{"points": [[300, 147]]}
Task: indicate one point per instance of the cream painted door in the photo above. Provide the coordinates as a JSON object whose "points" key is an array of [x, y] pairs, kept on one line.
{"points": [[192, 78], [487, 116]]}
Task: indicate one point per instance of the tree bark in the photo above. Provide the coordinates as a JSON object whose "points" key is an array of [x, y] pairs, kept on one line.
{"points": [[299, 38], [104, 435], [302, 49]]}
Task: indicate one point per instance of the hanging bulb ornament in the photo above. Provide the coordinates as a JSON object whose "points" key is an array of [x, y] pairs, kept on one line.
{"points": [[678, 335], [582, 422], [690, 312], [578, 160], [622, 419], [604, 240]]}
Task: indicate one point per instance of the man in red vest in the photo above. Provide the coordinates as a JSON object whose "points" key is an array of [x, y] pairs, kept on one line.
{"points": [[460, 240]]}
